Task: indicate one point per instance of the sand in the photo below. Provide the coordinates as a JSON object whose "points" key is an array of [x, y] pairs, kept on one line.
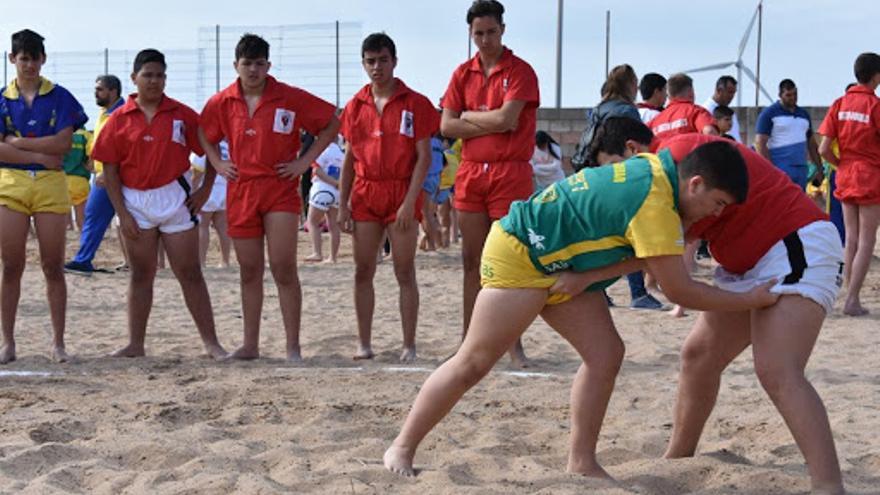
{"points": [[177, 422]]}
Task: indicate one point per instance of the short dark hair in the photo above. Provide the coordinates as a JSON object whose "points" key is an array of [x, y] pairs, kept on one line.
{"points": [[722, 111], [484, 8], [612, 135], [146, 56], [720, 165], [678, 84], [110, 82], [650, 83], [251, 46], [376, 42], [786, 85], [866, 66], [723, 81], [28, 42]]}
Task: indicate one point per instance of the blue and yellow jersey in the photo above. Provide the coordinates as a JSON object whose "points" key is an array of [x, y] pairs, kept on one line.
{"points": [[75, 160], [600, 216], [53, 110]]}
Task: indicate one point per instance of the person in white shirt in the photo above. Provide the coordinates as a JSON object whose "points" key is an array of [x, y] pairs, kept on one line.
{"points": [[324, 200], [725, 90], [546, 161], [214, 210]]}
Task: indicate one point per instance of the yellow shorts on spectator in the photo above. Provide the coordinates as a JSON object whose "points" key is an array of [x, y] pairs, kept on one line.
{"points": [[78, 189]]}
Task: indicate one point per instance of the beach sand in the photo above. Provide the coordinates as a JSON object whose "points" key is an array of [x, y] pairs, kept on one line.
{"points": [[177, 422]]}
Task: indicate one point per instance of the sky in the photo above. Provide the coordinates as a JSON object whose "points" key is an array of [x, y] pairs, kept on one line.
{"points": [[813, 42]]}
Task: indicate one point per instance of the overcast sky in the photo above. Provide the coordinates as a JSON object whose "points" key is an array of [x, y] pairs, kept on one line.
{"points": [[812, 42]]}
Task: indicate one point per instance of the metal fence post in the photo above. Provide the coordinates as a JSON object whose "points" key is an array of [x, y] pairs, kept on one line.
{"points": [[337, 64], [5, 61], [106, 60], [217, 56]]}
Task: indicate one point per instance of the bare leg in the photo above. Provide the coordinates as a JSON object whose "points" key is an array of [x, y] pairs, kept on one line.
{"points": [[51, 235], [281, 233], [334, 234], [251, 264], [869, 219], [80, 211], [851, 244], [204, 235], [586, 324], [367, 240], [183, 256], [445, 214], [500, 317], [474, 230], [142, 262], [14, 228], [716, 339], [783, 337], [403, 254], [314, 222], [121, 239], [221, 227], [160, 252]]}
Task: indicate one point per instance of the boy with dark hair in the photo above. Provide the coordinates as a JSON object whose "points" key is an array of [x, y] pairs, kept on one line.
{"points": [[491, 104], [37, 120], [854, 120], [261, 119], [611, 220], [388, 128], [145, 148], [723, 116], [653, 90]]}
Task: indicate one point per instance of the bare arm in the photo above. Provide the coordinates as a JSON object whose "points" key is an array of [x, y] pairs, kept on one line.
{"points": [[710, 130], [499, 120], [761, 145], [813, 150], [452, 125], [56, 144], [573, 283], [672, 275], [11, 154], [322, 140], [826, 152], [346, 179], [113, 184], [405, 214], [324, 177]]}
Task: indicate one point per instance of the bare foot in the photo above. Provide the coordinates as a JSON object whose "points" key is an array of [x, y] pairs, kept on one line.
{"points": [[330, 260], [518, 359], [399, 460], [408, 355], [364, 352], [224, 265], [244, 354], [129, 351], [294, 355], [7, 353], [216, 351], [588, 469], [677, 312], [854, 309], [59, 355], [314, 258]]}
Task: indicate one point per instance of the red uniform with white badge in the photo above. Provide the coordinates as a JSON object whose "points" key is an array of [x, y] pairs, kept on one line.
{"points": [[495, 169], [384, 149], [854, 120], [259, 142], [680, 117]]}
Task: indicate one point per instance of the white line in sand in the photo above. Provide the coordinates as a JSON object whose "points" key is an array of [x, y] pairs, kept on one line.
{"points": [[27, 373]]}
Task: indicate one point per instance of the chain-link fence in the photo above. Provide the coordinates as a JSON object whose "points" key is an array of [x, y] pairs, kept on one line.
{"points": [[323, 59]]}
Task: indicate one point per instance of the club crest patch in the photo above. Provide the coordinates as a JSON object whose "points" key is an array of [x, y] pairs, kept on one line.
{"points": [[283, 121]]}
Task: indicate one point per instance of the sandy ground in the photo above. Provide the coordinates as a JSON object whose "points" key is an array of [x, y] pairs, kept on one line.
{"points": [[176, 422]]}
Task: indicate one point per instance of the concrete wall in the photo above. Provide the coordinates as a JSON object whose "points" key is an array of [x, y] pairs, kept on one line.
{"points": [[567, 124]]}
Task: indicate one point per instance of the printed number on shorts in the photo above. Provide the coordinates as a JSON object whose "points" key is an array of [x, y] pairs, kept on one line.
{"points": [[486, 270]]}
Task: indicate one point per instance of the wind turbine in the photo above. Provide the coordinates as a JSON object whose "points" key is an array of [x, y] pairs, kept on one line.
{"points": [[739, 64]]}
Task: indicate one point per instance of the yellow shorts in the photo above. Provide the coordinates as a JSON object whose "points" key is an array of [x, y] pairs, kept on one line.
{"points": [[29, 192], [505, 264], [78, 189]]}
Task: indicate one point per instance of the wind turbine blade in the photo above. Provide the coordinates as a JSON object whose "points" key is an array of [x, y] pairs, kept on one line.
{"points": [[745, 38], [711, 67], [751, 75]]}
